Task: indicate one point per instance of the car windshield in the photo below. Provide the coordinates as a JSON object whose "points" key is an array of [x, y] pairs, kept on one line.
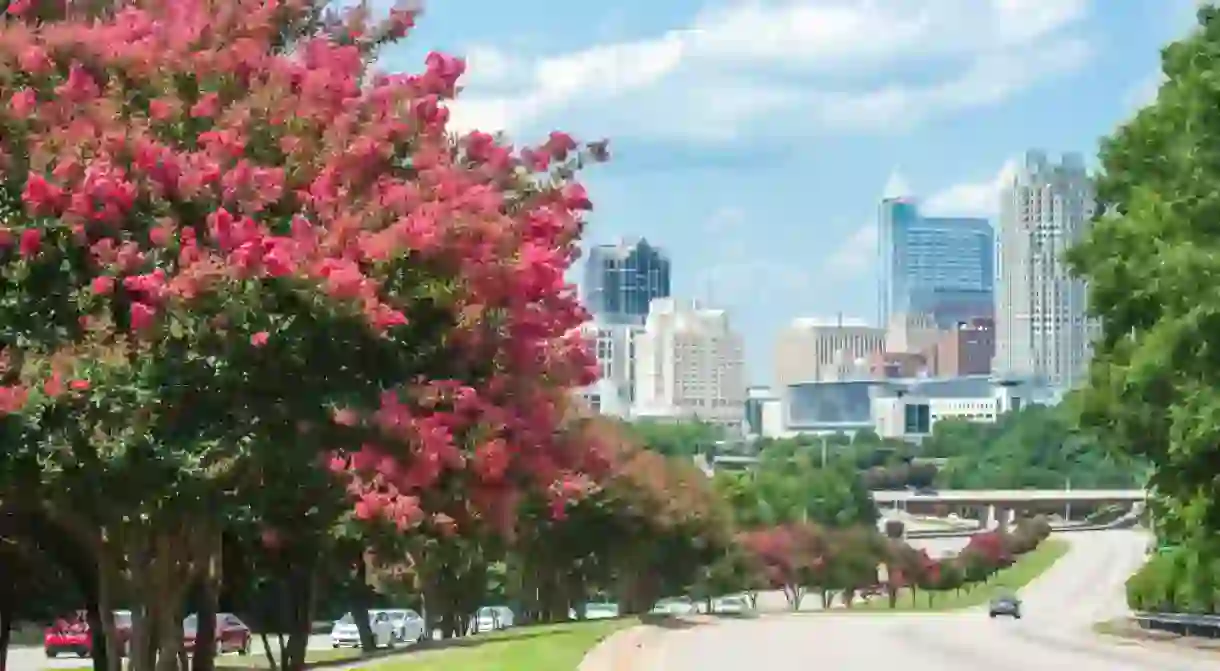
{"points": [[600, 607], [346, 619]]}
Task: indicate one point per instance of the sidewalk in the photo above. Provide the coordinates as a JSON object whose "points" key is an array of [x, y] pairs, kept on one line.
{"points": [[636, 648]]}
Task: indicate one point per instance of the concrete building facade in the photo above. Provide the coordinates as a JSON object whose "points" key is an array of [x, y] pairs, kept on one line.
{"points": [[1042, 327], [689, 364]]}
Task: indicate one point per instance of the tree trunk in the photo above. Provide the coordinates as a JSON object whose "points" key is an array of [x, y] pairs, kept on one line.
{"points": [[305, 577], [101, 649], [204, 656], [108, 579], [7, 607], [360, 607]]}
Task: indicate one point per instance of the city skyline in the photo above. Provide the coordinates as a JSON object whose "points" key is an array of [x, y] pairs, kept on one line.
{"points": [[757, 165], [943, 267]]}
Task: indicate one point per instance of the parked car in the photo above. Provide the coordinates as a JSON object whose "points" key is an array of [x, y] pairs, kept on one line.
{"points": [[232, 635], [68, 636], [73, 635], [680, 605], [345, 632], [407, 625], [597, 610], [731, 604], [1005, 605], [491, 618]]}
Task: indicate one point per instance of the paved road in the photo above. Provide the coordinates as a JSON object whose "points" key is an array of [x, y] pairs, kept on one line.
{"points": [[33, 659], [1082, 588]]}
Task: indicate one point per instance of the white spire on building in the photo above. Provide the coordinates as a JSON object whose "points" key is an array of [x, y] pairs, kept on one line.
{"points": [[896, 186]]}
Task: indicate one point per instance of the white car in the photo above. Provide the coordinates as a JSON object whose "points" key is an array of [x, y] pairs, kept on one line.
{"points": [[346, 634], [491, 618], [680, 605], [408, 625], [597, 610], [732, 604]]}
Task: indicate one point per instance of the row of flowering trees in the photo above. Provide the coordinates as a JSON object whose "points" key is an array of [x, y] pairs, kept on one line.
{"points": [[804, 557], [265, 317]]}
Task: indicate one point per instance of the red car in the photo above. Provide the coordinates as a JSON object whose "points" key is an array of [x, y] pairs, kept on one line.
{"points": [[232, 635], [72, 636]]}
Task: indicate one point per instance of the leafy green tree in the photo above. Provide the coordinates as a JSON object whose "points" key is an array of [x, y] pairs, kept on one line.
{"points": [[783, 489], [1037, 447], [678, 439], [1149, 260]]}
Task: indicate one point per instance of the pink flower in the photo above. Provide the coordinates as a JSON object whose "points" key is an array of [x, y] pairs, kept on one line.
{"points": [[24, 101], [207, 106], [259, 339], [40, 195], [53, 386], [142, 316], [19, 7], [102, 285], [31, 242]]}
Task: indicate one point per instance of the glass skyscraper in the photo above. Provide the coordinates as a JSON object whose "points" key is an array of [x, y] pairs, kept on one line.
{"points": [[943, 267], [622, 279]]}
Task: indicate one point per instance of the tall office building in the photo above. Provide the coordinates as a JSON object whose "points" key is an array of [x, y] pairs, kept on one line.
{"points": [[689, 364], [614, 345], [622, 279], [942, 267], [1042, 328], [825, 350]]}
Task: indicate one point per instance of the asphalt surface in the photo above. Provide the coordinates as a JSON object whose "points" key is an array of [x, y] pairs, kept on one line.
{"points": [[32, 658], [1084, 587]]}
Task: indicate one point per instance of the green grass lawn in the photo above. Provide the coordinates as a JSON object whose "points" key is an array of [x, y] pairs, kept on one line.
{"points": [[1027, 567], [257, 659], [543, 648], [557, 647]]}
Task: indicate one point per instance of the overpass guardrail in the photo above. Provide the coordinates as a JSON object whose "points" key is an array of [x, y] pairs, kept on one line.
{"points": [[962, 533], [1183, 624]]}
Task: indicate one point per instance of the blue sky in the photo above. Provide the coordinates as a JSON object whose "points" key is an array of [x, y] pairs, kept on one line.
{"points": [[753, 138]]}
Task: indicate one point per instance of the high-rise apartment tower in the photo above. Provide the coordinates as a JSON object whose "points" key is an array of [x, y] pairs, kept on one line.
{"points": [[1042, 327]]}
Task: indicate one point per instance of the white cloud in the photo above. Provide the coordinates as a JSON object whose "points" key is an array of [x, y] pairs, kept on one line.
{"points": [[972, 199], [787, 66], [857, 255]]}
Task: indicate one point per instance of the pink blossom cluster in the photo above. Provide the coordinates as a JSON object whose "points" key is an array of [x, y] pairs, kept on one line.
{"points": [[188, 155]]}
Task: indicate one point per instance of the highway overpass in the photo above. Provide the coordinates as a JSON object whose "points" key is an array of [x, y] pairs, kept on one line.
{"points": [[968, 497], [999, 507]]}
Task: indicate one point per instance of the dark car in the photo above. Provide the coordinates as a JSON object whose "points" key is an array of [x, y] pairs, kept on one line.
{"points": [[232, 635], [1005, 605]]}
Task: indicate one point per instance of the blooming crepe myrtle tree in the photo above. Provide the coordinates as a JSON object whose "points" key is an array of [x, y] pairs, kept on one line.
{"points": [[232, 252]]}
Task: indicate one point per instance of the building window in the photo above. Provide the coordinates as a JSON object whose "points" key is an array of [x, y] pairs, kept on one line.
{"points": [[917, 418]]}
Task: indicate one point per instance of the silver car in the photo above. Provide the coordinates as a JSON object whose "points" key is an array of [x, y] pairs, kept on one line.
{"points": [[1005, 605], [491, 618], [732, 604], [408, 625], [597, 610], [680, 605]]}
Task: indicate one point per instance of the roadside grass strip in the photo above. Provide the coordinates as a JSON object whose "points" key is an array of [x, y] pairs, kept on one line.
{"points": [[1010, 580], [558, 647]]}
